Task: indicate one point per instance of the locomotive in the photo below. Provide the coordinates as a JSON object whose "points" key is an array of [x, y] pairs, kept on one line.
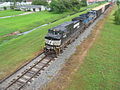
{"points": [[62, 35]]}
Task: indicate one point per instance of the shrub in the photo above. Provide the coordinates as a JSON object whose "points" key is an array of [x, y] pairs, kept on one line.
{"points": [[5, 8], [117, 17], [16, 9]]}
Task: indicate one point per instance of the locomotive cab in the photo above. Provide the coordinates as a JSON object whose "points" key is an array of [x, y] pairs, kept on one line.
{"points": [[58, 37], [52, 41]]}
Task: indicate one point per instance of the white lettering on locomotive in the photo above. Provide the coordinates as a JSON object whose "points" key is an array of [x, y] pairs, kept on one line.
{"points": [[53, 42], [76, 25]]}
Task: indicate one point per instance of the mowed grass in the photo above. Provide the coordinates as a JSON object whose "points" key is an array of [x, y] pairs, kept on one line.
{"points": [[17, 51], [27, 22], [101, 67], [10, 13]]}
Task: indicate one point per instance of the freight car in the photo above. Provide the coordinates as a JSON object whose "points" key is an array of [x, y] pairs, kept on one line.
{"points": [[61, 36], [100, 9]]}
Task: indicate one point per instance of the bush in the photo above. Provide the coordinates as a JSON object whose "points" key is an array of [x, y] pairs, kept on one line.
{"points": [[12, 7], [16, 9], [117, 17], [5, 8]]}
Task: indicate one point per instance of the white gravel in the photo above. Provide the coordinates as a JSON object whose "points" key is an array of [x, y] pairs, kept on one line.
{"points": [[52, 70]]}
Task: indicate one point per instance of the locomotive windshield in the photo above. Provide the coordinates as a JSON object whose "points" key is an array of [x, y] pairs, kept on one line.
{"points": [[54, 32], [53, 37]]}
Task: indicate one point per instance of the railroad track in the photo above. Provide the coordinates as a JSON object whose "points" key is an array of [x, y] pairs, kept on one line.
{"points": [[28, 75]]}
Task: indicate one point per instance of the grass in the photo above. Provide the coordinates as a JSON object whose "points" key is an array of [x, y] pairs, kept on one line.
{"points": [[9, 13], [6, 39], [27, 22], [101, 67], [22, 49]]}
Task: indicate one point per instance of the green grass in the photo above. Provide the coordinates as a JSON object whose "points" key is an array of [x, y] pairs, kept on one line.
{"points": [[6, 39], [22, 49], [10, 13], [27, 22], [101, 67]]}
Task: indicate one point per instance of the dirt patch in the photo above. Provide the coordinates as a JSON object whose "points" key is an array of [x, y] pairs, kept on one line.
{"points": [[11, 34], [65, 75]]}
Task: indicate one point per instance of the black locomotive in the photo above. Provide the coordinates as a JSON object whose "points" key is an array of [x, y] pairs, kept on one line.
{"points": [[60, 36]]}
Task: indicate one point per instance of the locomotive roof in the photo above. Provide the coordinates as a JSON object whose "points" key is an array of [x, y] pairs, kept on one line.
{"points": [[62, 27]]}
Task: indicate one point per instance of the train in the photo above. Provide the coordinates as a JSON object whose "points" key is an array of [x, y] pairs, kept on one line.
{"points": [[61, 36]]}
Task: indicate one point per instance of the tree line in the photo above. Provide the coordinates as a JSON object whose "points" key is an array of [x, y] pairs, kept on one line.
{"points": [[60, 6], [57, 6], [117, 13]]}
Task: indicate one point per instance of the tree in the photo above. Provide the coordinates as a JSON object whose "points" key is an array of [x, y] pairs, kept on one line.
{"points": [[60, 6], [75, 5], [83, 3], [117, 16], [118, 3], [57, 6], [40, 2]]}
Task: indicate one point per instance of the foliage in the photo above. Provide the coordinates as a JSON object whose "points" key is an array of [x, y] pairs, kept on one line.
{"points": [[40, 2], [5, 8], [118, 3], [117, 16], [57, 6], [60, 6], [83, 3]]}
